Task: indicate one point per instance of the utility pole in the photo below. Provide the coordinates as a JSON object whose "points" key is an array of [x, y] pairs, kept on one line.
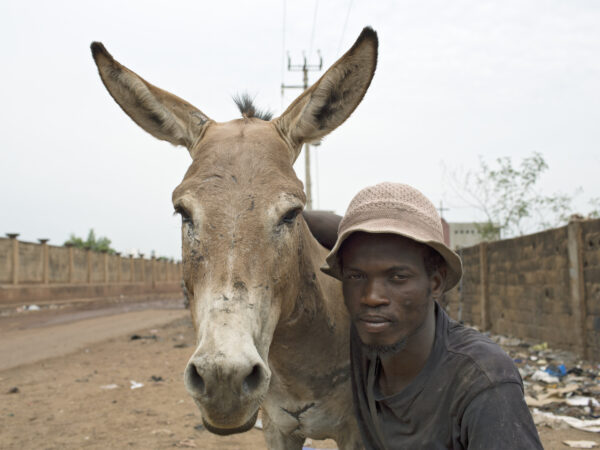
{"points": [[441, 209], [304, 68]]}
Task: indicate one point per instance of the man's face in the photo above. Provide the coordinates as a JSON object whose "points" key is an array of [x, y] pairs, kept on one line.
{"points": [[386, 287]]}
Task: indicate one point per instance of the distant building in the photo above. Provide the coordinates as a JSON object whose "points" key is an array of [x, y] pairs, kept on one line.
{"points": [[464, 234]]}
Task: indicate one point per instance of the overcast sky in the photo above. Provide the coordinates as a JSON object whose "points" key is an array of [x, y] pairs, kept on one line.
{"points": [[455, 80]]}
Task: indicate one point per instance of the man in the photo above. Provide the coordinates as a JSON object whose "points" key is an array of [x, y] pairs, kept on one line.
{"points": [[420, 380]]}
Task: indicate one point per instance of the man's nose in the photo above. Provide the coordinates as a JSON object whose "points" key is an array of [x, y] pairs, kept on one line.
{"points": [[375, 294]]}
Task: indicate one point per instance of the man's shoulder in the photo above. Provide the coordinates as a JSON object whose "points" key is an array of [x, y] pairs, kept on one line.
{"points": [[480, 356]]}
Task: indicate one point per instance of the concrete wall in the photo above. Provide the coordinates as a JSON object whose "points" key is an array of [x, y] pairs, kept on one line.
{"points": [[11, 295], [42, 272], [58, 264], [6, 259], [544, 286], [30, 263], [80, 267]]}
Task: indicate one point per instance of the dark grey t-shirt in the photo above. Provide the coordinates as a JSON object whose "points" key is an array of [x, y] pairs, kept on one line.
{"points": [[469, 395]]}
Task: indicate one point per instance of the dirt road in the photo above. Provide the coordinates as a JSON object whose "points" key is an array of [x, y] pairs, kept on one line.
{"points": [[35, 344], [69, 385]]}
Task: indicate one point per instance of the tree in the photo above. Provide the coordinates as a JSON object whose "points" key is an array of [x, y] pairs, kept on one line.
{"points": [[508, 197], [594, 213], [99, 244]]}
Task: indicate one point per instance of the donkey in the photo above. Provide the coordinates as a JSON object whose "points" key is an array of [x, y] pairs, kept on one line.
{"points": [[272, 330]]}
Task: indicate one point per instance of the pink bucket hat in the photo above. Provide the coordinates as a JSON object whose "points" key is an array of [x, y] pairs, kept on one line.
{"points": [[400, 209]]}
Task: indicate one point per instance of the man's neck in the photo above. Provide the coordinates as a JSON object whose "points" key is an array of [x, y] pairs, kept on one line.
{"points": [[399, 369]]}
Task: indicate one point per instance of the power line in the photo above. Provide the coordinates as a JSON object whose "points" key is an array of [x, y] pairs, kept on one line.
{"points": [[305, 68], [314, 25], [345, 25], [283, 51]]}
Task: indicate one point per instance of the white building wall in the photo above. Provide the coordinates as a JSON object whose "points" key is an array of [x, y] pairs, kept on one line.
{"points": [[464, 234]]}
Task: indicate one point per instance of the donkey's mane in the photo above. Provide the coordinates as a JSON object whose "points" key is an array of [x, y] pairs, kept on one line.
{"points": [[246, 106]]}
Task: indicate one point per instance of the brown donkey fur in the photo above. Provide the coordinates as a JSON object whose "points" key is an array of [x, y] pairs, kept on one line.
{"points": [[272, 330]]}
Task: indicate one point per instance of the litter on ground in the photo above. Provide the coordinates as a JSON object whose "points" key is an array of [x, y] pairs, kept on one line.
{"points": [[135, 384], [581, 444], [561, 390]]}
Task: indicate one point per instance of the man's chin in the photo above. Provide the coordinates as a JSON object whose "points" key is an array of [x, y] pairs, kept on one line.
{"points": [[383, 349], [227, 431]]}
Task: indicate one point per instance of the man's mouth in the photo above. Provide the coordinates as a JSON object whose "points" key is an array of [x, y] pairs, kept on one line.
{"points": [[374, 323]]}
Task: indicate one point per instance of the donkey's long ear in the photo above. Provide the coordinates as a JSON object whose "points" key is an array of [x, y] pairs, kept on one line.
{"points": [[331, 100], [163, 115]]}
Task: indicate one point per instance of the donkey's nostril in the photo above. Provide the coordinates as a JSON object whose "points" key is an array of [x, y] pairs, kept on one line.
{"points": [[195, 379], [252, 380]]}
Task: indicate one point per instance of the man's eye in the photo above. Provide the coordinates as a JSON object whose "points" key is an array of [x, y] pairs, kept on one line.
{"points": [[398, 277], [353, 276]]}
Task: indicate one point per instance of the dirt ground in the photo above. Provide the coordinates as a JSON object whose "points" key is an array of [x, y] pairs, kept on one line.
{"points": [[79, 395]]}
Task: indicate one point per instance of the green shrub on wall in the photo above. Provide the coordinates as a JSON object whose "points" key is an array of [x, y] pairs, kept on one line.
{"points": [[97, 244]]}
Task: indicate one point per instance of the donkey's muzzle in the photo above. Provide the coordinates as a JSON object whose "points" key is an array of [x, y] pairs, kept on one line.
{"points": [[227, 431], [228, 390], [200, 380]]}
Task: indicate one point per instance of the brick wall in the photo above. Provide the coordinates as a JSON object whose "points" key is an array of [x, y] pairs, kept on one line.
{"points": [[529, 287], [463, 301], [544, 286], [591, 275]]}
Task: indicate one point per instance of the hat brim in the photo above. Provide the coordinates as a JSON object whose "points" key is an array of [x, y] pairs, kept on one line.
{"points": [[383, 226]]}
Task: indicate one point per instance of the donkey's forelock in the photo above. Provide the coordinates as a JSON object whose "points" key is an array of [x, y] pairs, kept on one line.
{"points": [[246, 106]]}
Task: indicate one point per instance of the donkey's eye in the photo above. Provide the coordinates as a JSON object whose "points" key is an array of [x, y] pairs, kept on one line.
{"points": [[290, 216], [184, 213]]}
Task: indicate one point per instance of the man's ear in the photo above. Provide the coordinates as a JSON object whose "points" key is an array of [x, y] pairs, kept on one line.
{"points": [[437, 282]]}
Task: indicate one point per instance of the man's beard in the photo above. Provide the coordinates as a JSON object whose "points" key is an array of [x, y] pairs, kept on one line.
{"points": [[397, 347]]}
